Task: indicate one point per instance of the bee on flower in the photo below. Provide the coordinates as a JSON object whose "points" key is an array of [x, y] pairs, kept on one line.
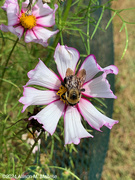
{"points": [[30, 21], [68, 94]]}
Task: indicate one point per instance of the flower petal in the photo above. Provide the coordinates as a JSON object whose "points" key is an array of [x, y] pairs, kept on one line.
{"points": [[43, 76], [41, 9], [50, 115], [4, 7], [91, 67], [32, 96], [24, 136], [47, 21], [5, 28], [39, 35], [110, 69], [98, 87], [65, 57], [35, 149], [12, 9], [74, 129], [18, 31], [94, 118]]}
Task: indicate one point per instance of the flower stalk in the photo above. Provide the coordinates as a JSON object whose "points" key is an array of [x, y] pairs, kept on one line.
{"points": [[26, 161], [10, 54], [88, 29]]}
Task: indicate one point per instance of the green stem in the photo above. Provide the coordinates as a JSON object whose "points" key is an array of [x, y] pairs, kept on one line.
{"points": [[60, 24], [88, 29], [26, 161], [3, 73], [54, 46], [2, 46], [66, 11]]}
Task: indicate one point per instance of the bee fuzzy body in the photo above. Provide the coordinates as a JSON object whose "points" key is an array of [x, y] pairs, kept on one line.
{"points": [[73, 83]]}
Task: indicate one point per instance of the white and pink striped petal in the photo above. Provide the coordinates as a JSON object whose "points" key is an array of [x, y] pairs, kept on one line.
{"points": [[41, 9], [47, 21], [12, 9], [50, 115], [39, 34], [91, 67], [7, 2], [94, 118], [98, 87], [32, 96], [43, 76], [110, 69], [18, 31], [73, 127], [65, 57]]}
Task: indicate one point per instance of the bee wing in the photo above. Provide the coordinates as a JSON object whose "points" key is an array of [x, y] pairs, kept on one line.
{"points": [[69, 72], [82, 76]]}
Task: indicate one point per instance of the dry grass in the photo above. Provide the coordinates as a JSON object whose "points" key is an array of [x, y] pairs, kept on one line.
{"points": [[120, 161]]}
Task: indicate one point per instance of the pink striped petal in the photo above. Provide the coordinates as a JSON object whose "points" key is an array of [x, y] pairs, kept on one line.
{"points": [[91, 67], [18, 31], [110, 69], [50, 115], [94, 118], [5, 28], [43, 76], [41, 9], [39, 35], [32, 96], [47, 21], [7, 2], [65, 57], [98, 87], [12, 9], [74, 129]]}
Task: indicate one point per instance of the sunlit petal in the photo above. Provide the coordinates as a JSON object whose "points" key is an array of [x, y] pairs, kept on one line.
{"points": [[50, 115], [98, 87], [32, 96], [94, 118], [43, 76], [74, 129], [65, 57]]}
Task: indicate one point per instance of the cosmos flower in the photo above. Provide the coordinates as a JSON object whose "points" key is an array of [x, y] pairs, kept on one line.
{"points": [[55, 97], [32, 25], [31, 141]]}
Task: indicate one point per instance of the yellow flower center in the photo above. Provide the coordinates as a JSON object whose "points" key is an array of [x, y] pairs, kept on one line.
{"points": [[28, 21], [61, 93]]}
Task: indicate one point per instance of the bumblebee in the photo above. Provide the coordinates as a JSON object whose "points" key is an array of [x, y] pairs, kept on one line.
{"points": [[73, 84]]}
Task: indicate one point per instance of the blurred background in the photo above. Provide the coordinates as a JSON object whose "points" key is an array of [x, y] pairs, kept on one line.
{"points": [[120, 160]]}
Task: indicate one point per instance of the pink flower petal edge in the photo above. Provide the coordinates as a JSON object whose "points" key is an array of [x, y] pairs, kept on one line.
{"points": [[94, 118], [74, 129], [50, 115], [44, 77], [32, 96], [98, 87], [65, 57]]}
